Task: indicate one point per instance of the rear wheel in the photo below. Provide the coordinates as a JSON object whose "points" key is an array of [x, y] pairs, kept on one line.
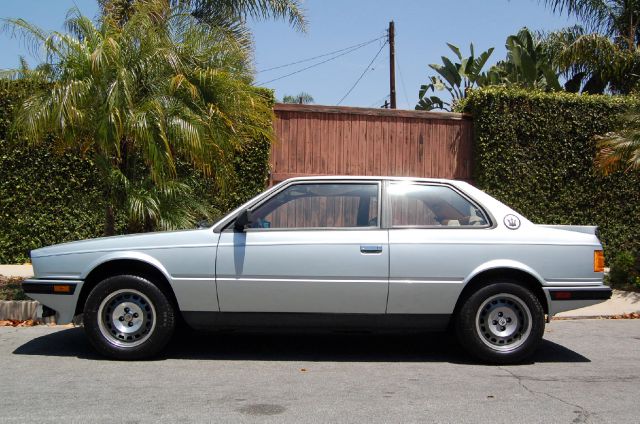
{"points": [[128, 317], [501, 323]]}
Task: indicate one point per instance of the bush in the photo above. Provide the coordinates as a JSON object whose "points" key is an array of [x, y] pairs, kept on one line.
{"points": [[11, 288], [535, 152], [625, 270], [47, 197]]}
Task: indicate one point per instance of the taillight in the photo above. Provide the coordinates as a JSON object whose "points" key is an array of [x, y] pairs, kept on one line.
{"points": [[561, 295], [598, 261]]}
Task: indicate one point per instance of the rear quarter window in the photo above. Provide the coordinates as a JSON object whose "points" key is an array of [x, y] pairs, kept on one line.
{"points": [[427, 205]]}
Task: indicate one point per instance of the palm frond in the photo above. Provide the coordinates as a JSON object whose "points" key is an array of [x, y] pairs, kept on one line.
{"points": [[597, 15], [217, 11], [31, 35], [620, 150]]}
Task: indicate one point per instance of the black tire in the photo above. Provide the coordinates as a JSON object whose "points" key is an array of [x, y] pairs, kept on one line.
{"points": [[128, 317], [501, 323]]}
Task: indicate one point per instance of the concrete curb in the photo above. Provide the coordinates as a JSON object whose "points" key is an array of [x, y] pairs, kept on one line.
{"points": [[22, 310], [621, 302], [607, 317]]}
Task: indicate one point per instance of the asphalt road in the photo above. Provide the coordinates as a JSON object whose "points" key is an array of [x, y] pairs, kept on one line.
{"points": [[587, 371]]}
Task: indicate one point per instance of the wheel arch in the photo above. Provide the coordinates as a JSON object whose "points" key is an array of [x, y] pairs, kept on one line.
{"points": [[520, 273], [134, 264]]}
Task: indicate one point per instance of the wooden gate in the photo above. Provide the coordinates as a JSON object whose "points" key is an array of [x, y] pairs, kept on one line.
{"points": [[332, 140]]}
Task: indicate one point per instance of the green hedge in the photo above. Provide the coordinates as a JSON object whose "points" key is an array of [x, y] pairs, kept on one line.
{"points": [[535, 152], [47, 197]]}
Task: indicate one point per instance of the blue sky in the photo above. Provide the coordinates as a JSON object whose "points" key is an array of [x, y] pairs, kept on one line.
{"points": [[422, 29]]}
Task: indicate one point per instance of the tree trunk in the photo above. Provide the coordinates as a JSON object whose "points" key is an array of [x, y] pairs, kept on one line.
{"points": [[632, 32], [109, 221]]}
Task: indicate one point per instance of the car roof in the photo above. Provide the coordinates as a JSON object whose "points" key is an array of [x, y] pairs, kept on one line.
{"points": [[369, 177]]}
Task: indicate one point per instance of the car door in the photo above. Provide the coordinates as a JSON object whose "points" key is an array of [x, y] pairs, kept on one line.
{"points": [[312, 247], [436, 239]]}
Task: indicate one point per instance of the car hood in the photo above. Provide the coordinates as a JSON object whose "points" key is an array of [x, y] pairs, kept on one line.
{"points": [[199, 237]]}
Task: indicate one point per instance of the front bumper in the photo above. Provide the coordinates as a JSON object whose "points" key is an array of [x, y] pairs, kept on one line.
{"points": [[562, 299], [58, 295]]}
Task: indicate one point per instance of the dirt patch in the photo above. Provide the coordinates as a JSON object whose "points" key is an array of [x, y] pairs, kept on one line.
{"points": [[633, 315], [17, 323]]}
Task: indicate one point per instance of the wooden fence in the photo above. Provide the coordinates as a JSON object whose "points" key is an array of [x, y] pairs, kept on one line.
{"points": [[332, 140]]}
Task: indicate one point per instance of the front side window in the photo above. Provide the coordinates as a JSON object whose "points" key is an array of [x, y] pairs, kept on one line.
{"points": [[334, 205], [422, 205]]}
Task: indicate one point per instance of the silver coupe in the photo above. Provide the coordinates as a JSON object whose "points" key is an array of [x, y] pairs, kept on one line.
{"points": [[365, 253]]}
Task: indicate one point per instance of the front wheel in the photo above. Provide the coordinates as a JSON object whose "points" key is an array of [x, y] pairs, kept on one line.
{"points": [[501, 323], [128, 317]]}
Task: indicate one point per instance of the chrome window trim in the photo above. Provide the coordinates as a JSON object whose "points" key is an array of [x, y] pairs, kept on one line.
{"points": [[257, 230], [385, 221]]}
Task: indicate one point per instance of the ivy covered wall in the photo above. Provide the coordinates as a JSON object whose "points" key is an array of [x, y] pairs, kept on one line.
{"points": [[535, 152]]}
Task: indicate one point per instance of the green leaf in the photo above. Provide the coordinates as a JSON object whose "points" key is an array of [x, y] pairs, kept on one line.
{"points": [[455, 50]]}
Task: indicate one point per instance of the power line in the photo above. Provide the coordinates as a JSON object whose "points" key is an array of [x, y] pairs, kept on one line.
{"points": [[365, 43], [379, 101], [363, 73], [382, 60], [404, 88], [317, 64]]}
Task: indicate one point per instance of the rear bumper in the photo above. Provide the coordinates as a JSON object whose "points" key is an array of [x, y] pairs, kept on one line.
{"points": [[59, 295], [562, 299]]}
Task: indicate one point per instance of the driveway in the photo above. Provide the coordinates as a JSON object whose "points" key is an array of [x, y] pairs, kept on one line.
{"points": [[587, 371]]}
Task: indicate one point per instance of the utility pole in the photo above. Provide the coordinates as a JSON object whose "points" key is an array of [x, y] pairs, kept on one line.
{"points": [[392, 64]]}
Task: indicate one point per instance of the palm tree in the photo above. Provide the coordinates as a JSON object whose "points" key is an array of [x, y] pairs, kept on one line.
{"points": [[217, 11], [228, 14], [593, 62], [617, 19], [142, 97], [300, 98], [604, 53]]}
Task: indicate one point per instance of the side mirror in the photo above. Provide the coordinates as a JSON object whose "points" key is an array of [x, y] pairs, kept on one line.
{"points": [[203, 224], [245, 218]]}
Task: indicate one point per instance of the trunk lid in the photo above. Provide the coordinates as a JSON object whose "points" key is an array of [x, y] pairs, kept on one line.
{"points": [[587, 229]]}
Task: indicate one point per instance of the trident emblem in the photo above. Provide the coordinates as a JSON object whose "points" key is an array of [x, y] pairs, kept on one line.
{"points": [[512, 222]]}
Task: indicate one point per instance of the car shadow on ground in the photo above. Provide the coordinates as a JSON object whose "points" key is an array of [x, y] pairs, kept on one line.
{"points": [[328, 347]]}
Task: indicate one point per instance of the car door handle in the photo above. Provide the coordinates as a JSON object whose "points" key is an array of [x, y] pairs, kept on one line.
{"points": [[369, 248]]}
